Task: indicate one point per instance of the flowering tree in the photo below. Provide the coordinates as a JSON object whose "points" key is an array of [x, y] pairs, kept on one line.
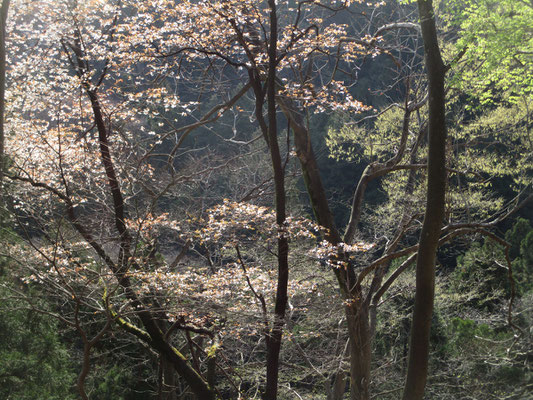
{"points": [[80, 156], [272, 53]]}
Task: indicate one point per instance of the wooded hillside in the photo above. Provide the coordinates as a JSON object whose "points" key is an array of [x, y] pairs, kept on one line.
{"points": [[241, 199]]}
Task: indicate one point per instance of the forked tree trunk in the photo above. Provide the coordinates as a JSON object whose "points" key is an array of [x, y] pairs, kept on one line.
{"points": [[436, 188]]}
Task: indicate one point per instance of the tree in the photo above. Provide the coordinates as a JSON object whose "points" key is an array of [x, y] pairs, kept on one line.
{"points": [[60, 158], [238, 42], [496, 40], [273, 338], [436, 189]]}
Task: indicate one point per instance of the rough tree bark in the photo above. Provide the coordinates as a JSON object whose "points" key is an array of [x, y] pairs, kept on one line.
{"points": [[436, 188]]}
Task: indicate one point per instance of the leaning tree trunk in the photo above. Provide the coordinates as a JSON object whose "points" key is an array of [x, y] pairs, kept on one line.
{"points": [[436, 188], [153, 334]]}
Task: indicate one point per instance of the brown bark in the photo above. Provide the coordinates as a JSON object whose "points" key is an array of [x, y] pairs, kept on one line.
{"points": [[360, 350], [88, 344], [355, 310], [310, 170], [436, 188], [85, 368], [274, 337], [198, 385], [167, 389], [339, 384], [356, 314]]}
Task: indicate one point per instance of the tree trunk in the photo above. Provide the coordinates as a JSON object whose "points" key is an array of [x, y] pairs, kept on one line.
{"points": [[336, 392], [425, 267], [360, 350], [168, 380], [153, 335], [276, 332], [357, 310]]}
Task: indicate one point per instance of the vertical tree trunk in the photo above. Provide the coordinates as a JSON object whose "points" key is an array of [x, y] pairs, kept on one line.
{"points": [[85, 368], [276, 332], [425, 267], [360, 350], [168, 380]]}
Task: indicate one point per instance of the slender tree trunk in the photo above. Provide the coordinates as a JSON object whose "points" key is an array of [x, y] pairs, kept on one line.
{"points": [[153, 335], [85, 368], [425, 268], [275, 336]]}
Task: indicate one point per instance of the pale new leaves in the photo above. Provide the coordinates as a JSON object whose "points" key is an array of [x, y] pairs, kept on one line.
{"points": [[198, 293]]}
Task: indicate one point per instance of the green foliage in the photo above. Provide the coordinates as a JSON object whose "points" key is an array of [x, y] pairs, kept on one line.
{"points": [[464, 331], [520, 237], [112, 383], [526, 249], [481, 353], [34, 364], [516, 234], [498, 39], [482, 273], [491, 106], [523, 265], [482, 343], [373, 142], [493, 143]]}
